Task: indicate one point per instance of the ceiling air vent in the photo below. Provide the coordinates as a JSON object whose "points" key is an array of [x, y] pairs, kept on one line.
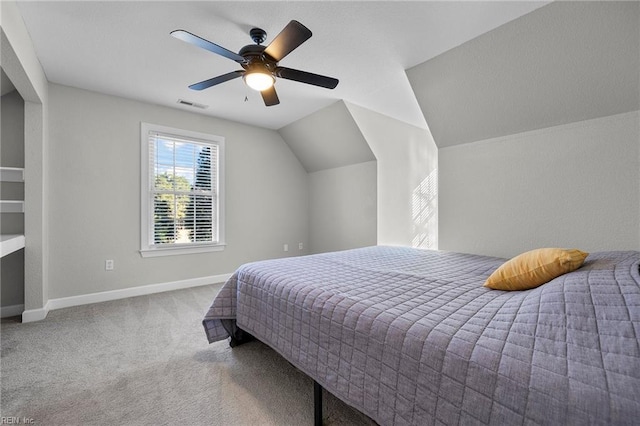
{"points": [[192, 104]]}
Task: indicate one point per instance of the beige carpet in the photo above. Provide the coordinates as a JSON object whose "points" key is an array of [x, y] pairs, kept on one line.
{"points": [[146, 361]]}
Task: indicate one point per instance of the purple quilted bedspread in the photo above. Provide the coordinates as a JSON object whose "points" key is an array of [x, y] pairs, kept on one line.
{"points": [[411, 337]]}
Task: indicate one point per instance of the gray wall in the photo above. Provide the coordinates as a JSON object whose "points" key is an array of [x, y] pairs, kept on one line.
{"points": [[407, 179], [95, 194], [12, 155], [576, 185], [12, 279], [342, 207], [342, 178], [336, 145], [537, 125]]}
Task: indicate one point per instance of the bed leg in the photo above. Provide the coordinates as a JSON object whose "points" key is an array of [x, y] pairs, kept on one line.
{"points": [[317, 404]]}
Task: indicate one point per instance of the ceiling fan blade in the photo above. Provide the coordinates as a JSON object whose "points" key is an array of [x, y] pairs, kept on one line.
{"points": [[307, 77], [270, 97], [216, 80], [206, 44], [292, 36]]}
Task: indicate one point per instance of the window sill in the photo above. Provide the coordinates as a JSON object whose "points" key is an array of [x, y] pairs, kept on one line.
{"points": [[176, 251]]}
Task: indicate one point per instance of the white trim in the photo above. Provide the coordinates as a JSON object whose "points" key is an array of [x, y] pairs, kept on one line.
{"points": [[147, 248], [32, 315], [11, 311], [105, 296], [171, 250], [221, 193]]}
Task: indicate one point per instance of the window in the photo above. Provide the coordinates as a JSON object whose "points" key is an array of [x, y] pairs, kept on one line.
{"points": [[182, 191]]}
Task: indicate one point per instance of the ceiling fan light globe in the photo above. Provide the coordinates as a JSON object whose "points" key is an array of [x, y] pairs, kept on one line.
{"points": [[259, 80]]}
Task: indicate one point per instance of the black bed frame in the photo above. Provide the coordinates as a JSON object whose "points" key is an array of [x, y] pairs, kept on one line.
{"points": [[317, 404], [239, 337]]}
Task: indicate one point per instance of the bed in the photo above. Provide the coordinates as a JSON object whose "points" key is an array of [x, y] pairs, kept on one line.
{"points": [[411, 337]]}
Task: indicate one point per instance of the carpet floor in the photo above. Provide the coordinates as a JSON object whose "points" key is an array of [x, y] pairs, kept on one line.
{"points": [[146, 361]]}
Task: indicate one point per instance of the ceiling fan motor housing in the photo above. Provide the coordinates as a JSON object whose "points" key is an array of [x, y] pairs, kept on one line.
{"points": [[258, 35], [255, 57]]}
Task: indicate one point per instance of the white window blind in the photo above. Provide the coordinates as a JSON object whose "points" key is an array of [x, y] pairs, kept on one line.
{"points": [[183, 189]]}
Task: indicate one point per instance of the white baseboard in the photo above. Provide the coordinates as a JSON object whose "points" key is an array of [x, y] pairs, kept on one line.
{"points": [[105, 296], [32, 315], [11, 311]]}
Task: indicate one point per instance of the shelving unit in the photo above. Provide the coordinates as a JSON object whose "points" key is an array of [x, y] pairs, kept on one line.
{"points": [[11, 243], [11, 174], [11, 206]]}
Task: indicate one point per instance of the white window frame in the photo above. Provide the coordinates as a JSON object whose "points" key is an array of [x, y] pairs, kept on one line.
{"points": [[147, 247]]}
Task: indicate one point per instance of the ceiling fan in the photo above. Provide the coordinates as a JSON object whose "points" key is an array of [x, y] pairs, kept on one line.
{"points": [[260, 63]]}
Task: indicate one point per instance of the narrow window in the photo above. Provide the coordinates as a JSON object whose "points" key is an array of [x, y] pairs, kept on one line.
{"points": [[182, 191]]}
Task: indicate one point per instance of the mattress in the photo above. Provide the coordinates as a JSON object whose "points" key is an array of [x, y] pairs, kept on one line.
{"points": [[411, 337]]}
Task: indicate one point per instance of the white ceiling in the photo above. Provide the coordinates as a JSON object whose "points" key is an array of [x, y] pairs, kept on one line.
{"points": [[123, 48]]}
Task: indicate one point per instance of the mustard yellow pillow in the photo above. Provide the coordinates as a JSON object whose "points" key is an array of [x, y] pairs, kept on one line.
{"points": [[534, 268]]}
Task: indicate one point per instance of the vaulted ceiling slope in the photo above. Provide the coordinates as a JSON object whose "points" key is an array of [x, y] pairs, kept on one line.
{"points": [[123, 48], [562, 63], [327, 139]]}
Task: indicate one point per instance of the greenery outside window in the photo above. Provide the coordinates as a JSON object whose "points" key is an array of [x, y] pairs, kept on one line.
{"points": [[182, 191]]}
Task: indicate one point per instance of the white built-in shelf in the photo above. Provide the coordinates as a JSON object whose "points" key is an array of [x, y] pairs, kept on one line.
{"points": [[11, 206], [11, 174], [11, 243]]}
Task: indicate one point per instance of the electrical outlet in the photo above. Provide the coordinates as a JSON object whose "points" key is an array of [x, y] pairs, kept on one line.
{"points": [[108, 265], [300, 246], [285, 247]]}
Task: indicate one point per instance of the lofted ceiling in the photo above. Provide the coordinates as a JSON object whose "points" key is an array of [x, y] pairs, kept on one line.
{"points": [[124, 49], [319, 146], [563, 63]]}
